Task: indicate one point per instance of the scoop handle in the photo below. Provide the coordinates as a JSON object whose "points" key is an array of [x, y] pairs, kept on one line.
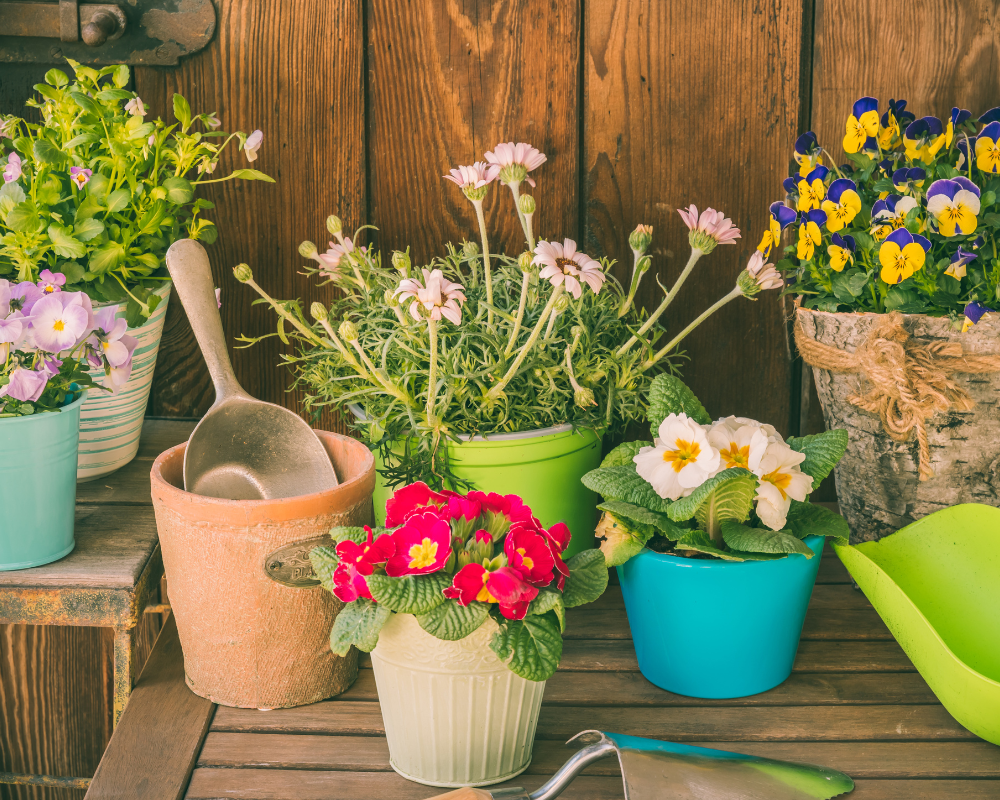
{"points": [[187, 263]]}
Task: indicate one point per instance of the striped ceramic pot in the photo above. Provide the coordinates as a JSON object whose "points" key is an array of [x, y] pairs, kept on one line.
{"points": [[454, 714], [110, 424]]}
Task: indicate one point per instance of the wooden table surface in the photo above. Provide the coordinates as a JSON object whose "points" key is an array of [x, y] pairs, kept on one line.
{"points": [[854, 702]]}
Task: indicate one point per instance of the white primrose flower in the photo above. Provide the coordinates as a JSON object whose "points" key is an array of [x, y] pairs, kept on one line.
{"points": [[680, 460], [781, 481], [741, 443]]}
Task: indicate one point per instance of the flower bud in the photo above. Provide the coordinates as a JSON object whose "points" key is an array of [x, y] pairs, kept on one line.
{"points": [[470, 249], [401, 262], [699, 240], [334, 225], [639, 240], [584, 397], [746, 284], [308, 250], [348, 331], [318, 311], [243, 273], [390, 298], [526, 204], [524, 261], [562, 303], [576, 331]]}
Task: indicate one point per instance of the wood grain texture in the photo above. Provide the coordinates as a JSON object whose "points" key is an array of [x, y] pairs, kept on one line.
{"points": [[294, 70], [163, 711], [694, 102], [448, 80]]}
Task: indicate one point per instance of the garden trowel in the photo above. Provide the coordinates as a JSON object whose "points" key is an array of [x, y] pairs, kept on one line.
{"points": [[653, 770]]}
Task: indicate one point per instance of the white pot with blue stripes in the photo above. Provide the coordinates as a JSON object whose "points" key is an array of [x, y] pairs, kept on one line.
{"points": [[110, 424]]}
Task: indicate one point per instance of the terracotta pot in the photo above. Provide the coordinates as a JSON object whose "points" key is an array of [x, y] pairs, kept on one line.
{"points": [[250, 641]]}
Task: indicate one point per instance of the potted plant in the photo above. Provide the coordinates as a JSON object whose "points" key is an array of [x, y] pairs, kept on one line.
{"points": [[895, 263], [480, 369], [461, 601], [51, 344], [94, 194], [714, 543]]}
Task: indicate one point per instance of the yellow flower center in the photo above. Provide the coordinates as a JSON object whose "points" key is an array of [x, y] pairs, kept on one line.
{"points": [[58, 325], [736, 456], [423, 554], [484, 595], [684, 454], [527, 561], [780, 480]]}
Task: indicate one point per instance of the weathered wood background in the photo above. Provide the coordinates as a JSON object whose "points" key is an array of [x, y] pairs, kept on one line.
{"points": [[641, 105]]}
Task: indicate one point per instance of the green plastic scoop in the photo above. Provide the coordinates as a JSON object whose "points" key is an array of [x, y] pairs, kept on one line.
{"points": [[936, 585]]}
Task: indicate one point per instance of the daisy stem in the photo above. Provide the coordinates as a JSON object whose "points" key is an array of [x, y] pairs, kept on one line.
{"points": [[432, 376], [639, 268], [525, 220], [494, 393], [695, 255], [352, 261], [486, 262], [525, 280], [737, 292], [307, 332], [551, 325]]}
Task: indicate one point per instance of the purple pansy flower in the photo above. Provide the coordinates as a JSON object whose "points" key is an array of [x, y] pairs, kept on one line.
{"points": [[841, 251], [923, 138], [954, 205], [51, 282], [13, 169], [988, 148], [807, 153], [24, 296], [889, 213], [956, 268], [993, 115], [25, 385], [903, 177], [974, 312], [80, 176], [58, 322]]}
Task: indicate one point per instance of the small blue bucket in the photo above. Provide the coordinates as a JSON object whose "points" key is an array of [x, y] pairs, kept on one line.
{"points": [[717, 629], [38, 455]]}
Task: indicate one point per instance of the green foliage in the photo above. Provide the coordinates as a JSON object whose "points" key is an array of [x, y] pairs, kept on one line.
{"points": [[622, 455], [805, 519], [324, 561], [621, 538], [669, 395], [358, 624], [410, 594], [530, 647], [745, 539], [451, 622], [588, 578], [688, 507], [549, 600], [823, 451], [623, 483], [730, 501], [110, 234]]}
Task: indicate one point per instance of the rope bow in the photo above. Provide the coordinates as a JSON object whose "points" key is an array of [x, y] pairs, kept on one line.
{"points": [[910, 381]]}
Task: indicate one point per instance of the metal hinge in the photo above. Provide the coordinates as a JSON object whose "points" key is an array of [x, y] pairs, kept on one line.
{"points": [[129, 32]]}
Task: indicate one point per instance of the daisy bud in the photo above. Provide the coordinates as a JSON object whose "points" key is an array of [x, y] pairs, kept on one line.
{"points": [[243, 273], [576, 331], [470, 249], [562, 303], [401, 261], [390, 298], [524, 261], [584, 397], [318, 311], [348, 331], [333, 224], [307, 250], [526, 203], [640, 238]]}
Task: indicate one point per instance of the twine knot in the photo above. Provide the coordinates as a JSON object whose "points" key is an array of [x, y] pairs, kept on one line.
{"points": [[909, 380]]}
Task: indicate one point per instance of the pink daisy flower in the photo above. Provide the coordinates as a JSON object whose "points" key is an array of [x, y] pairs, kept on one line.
{"points": [[515, 161], [474, 176], [562, 264], [437, 296], [708, 229]]}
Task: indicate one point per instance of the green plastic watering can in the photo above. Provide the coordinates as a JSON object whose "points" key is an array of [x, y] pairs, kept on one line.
{"points": [[936, 585]]}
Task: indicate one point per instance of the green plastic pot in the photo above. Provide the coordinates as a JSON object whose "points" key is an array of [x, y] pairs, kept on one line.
{"points": [[38, 456], [544, 467], [936, 585]]}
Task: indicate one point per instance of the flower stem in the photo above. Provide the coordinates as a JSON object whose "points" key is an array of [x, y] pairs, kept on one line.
{"points": [[525, 280], [680, 336], [494, 393], [432, 377], [639, 268], [692, 260], [486, 261], [515, 189], [551, 325]]}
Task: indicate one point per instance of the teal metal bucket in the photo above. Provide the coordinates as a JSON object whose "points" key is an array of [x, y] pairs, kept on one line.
{"points": [[717, 629], [38, 456]]}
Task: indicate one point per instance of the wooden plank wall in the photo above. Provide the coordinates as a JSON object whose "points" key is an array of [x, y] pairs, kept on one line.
{"points": [[641, 106]]}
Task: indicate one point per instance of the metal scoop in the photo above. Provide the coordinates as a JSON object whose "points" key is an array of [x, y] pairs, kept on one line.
{"points": [[243, 449], [654, 770]]}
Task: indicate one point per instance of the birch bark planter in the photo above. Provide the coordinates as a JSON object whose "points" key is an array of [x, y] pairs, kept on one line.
{"points": [[878, 485], [38, 486], [248, 640], [110, 424], [740, 632], [454, 714]]}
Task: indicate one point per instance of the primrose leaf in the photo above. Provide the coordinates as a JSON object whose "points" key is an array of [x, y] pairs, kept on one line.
{"points": [[623, 454], [324, 561], [730, 500], [359, 624], [701, 542], [687, 507], [531, 647], [410, 594], [622, 538], [549, 600], [805, 519], [669, 395], [624, 483], [353, 533], [745, 539], [588, 578], [451, 622], [643, 516], [823, 451]]}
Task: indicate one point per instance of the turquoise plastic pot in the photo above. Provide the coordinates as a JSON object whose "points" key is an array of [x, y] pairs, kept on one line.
{"points": [[38, 456], [717, 629], [544, 467]]}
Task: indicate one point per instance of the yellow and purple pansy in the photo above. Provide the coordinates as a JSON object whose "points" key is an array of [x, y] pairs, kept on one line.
{"points": [[841, 252], [975, 312], [923, 138], [862, 124], [905, 179], [842, 204], [958, 116], [890, 122], [988, 148], [958, 263], [810, 235], [993, 115], [781, 217], [812, 189], [954, 205], [808, 153], [901, 254], [889, 214]]}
